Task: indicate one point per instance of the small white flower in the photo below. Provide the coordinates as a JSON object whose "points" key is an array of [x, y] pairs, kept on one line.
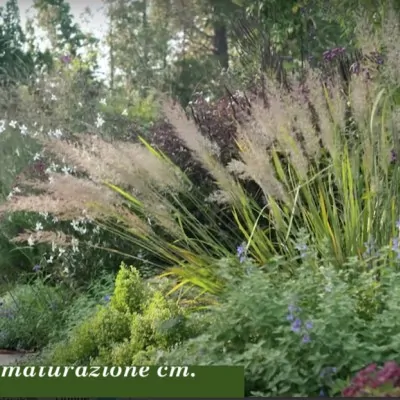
{"points": [[75, 244], [17, 152], [9, 196], [50, 260], [16, 190], [36, 157], [52, 85], [23, 129], [13, 124], [2, 126], [55, 220], [44, 214], [61, 251], [75, 225], [66, 271], [51, 180], [125, 112], [66, 170], [103, 101], [80, 104], [57, 133], [53, 97], [53, 246], [96, 229], [38, 227], [31, 242], [99, 121], [329, 287]]}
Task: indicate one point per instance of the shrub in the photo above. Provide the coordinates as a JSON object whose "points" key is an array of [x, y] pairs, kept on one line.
{"points": [[137, 320], [106, 327], [158, 325], [130, 292], [299, 335], [28, 315]]}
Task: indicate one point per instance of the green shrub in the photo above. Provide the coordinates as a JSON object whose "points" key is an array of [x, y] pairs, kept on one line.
{"points": [[160, 324], [121, 354], [287, 335], [130, 291], [101, 331], [80, 348], [29, 314], [137, 320]]}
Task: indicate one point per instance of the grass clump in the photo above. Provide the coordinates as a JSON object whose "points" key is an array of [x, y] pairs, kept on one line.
{"points": [[318, 156], [29, 314]]}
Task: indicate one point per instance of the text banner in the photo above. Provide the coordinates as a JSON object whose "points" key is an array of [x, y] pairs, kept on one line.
{"points": [[112, 382]]}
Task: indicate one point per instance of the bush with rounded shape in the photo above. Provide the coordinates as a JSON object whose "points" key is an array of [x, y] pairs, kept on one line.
{"points": [[116, 336]]}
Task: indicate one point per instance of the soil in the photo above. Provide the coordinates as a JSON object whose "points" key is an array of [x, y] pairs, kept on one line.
{"points": [[9, 357]]}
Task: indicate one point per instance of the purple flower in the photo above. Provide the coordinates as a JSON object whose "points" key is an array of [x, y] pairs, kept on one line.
{"points": [[66, 59], [36, 268], [398, 224], [107, 298], [306, 339], [241, 253], [309, 325], [393, 156], [296, 326]]}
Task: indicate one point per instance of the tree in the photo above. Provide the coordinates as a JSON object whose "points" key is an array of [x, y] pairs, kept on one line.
{"points": [[16, 64], [55, 17]]}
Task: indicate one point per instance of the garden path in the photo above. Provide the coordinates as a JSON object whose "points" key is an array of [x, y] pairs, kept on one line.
{"points": [[10, 357]]}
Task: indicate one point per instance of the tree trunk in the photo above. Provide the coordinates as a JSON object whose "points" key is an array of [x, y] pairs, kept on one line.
{"points": [[145, 48], [112, 60], [221, 44]]}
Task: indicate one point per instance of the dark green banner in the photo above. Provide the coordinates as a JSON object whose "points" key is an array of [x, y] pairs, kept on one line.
{"points": [[164, 381]]}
